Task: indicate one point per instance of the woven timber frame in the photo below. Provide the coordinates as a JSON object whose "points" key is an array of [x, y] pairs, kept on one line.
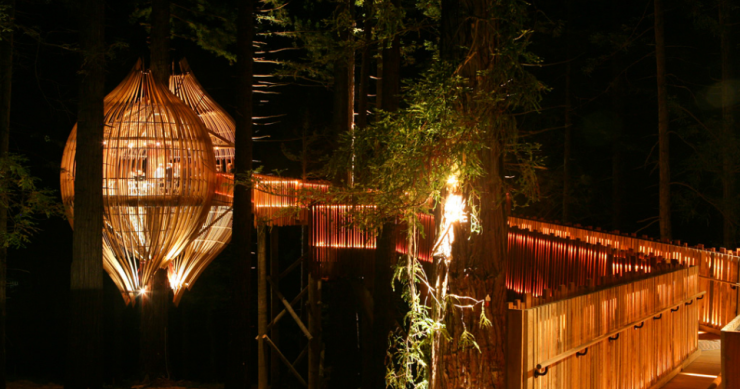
{"points": [[215, 232], [159, 178]]}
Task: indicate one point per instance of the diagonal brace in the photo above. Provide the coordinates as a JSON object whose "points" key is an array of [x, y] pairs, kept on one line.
{"points": [[290, 310], [285, 360]]}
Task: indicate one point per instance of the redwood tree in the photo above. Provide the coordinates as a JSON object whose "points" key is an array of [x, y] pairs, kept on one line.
{"points": [[240, 341], [84, 359], [6, 74], [728, 122], [155, 303], [664, 197]]}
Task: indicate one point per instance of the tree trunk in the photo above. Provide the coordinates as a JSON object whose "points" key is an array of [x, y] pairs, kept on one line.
{"points": [[364, 88], [568, 133], [344, 71], [240, 341], [618, 184], [385, 253], [85, 356], [155, 303], [6, 76], [390, 78], [470, 45], [728, 122], [160, 41], [382, 305], [663, 139], [466, 367], [153, 348]]}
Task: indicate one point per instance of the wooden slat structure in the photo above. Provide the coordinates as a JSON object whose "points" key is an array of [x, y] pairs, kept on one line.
{"points": [[215, 233], [627, 336], [158, 177], [719, 270], [731, 354], [538, 262]]}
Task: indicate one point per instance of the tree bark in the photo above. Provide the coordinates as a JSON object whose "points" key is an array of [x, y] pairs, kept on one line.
{"points": [[664, 182], [344, 70], [154, 323], [160, 41], [385, 253], [617, 93], [470, 46], [6, 76], [390, 78], [364, 88], [240, 342], [84, 358], [382, 305], [728, 122], [567, 121], [155, 303]]}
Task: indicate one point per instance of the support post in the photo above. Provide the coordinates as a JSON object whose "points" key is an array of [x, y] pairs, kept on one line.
{"points": [[275, 308], [261, 305], [314, 325]]}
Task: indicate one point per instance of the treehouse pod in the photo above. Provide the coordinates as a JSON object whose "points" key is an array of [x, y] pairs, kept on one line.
{"points": [[159, 178], [215, 231]]}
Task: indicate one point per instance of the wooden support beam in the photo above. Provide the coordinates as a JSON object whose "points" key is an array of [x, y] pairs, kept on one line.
{"points": [[285, 360], [314, 322], [282, 313], [291, 311], [262, 310], [300, 356], [290, 268], [274, 306]]}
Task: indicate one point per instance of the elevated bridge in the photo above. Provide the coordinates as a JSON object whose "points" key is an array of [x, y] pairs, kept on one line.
{"points": [[589, 308]]}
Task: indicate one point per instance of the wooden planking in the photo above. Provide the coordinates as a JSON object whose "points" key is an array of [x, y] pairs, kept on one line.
{"points": [[550, 333]]}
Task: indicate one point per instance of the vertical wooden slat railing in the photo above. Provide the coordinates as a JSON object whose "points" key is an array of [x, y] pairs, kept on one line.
{"points": [[631, 335], [731, 354], [538, 262], [719, 270]]}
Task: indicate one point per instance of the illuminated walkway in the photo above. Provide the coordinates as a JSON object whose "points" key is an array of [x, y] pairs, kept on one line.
{"points": [[703, 371]]}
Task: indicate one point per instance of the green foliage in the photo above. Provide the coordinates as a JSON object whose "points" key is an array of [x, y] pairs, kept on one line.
{"points": [[24, 201]]}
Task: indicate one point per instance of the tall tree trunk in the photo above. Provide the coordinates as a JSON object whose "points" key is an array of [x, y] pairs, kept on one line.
{"points": [[6, 76], [383, 320], [567, 191], [240, 342], [160, 41], [84, 359], [618, 141], [664, 182], [344, 71], [154, 317], [364, 88], [728, 122], [154, 324], [486, 250]]}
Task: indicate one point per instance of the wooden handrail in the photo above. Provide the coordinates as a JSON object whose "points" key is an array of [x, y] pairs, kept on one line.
{"points": [[601, 338], [722, 281]]}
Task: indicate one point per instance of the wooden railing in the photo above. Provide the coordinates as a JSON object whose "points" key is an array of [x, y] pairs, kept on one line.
{"points": [[631, 335], [719, 270], [539, 263], [731, 354]]}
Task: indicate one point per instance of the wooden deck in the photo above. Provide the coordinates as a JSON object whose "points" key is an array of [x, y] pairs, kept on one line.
{"points": [[702, 372]]}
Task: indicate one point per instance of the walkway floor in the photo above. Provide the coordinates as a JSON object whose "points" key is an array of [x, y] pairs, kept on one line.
{"points": [[701, 373]]}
